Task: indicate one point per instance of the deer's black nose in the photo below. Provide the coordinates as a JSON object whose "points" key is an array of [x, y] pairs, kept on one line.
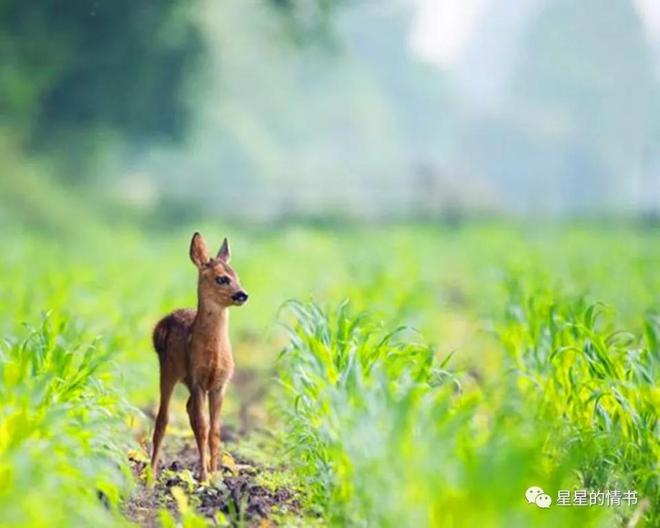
{"points": [[240, 296]]}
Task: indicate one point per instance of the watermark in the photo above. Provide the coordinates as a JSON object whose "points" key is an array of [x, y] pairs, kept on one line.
{"points": [[536, 495], [581, 498]]}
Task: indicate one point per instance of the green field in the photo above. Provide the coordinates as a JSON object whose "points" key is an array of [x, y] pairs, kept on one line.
{"points": [[404, 375]]}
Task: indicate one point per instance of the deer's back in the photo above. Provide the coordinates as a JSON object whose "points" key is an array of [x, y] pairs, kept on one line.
{"points": [[169, 339]]}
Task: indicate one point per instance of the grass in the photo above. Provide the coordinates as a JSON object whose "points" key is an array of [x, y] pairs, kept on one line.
{"points": [[467, 365]]}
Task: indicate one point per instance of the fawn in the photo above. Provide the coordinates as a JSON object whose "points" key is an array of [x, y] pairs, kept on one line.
{"points": [[193, 347]]}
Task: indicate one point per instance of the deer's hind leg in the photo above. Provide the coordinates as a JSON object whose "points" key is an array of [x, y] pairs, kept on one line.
{"points": [[167, 384], [200, 426]]}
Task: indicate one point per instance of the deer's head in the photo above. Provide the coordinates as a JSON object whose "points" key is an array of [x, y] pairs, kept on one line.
{"points": [[218, 283]]}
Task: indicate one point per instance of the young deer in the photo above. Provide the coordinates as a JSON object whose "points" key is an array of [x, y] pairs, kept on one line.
{"points": [[193, 347]]}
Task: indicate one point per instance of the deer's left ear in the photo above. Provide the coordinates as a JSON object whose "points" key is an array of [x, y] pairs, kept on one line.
{"points": [[224, 254]]}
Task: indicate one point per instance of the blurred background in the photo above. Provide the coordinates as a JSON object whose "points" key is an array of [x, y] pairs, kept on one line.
{"points": [[485, 172], [164, 111]]}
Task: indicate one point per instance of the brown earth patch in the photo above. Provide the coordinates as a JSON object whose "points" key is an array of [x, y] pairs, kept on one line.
{"points": [[237, 492]]}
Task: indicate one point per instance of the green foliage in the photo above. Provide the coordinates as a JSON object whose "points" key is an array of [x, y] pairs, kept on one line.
{"points": [[87, 67], [595, 385], [525, 384], [385, 434], [86, 79], [62, 435]]}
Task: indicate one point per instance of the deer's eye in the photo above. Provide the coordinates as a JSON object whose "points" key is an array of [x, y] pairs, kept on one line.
{"points": [[223, 280]]}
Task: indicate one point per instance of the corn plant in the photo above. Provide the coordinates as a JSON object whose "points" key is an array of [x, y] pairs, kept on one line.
{"points": [[595, 385], [386, 435], [62, 435]]}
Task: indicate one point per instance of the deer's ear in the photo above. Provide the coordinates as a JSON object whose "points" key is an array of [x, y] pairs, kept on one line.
{"points": [[224, 254], [199, 253]]}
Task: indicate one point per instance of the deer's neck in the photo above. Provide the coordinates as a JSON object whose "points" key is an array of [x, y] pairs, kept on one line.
{"points": [[211, 327]]}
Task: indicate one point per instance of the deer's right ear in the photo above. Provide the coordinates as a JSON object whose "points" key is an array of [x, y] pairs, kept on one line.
{"points": [[199, 253]]}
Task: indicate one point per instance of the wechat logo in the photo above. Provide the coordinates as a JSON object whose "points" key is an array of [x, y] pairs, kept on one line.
{"points": [[536, 495]]}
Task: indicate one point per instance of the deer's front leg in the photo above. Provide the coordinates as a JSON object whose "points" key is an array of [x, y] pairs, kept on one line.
{"points": [[215, 406], [199, 426]]}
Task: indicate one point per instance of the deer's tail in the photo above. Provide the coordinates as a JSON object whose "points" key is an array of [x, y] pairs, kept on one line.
{"points": [[159, 336]]}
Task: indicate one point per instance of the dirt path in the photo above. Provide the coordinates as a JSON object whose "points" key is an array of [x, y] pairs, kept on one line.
{"points": [[250, 490]]}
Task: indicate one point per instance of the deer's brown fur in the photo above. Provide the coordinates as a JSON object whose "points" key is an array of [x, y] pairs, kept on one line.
{"points": [[193, 348]]}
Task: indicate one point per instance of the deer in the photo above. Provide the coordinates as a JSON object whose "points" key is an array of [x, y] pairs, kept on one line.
{"points": [[193, 347]]}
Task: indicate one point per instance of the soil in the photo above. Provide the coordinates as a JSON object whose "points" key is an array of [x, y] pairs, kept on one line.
{"points": [[236, 491], [244, 492]]}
